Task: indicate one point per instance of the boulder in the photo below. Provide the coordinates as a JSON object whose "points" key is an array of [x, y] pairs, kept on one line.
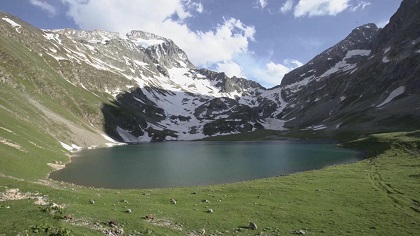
{"points": [[112, 223], [252, 226]]}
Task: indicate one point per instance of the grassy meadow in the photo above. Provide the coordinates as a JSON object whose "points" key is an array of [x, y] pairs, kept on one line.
{"points": [[376, 196]]}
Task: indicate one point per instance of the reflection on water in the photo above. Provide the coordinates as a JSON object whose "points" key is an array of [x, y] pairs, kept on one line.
{"points": [[173, 164]]}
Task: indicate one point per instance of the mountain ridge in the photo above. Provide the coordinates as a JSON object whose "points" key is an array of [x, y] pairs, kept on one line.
{"points": [[141, 87], [153, 74], [377, 91]]}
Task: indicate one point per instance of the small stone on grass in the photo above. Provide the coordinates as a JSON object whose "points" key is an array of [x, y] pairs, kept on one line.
{"points": [[252, 226]]}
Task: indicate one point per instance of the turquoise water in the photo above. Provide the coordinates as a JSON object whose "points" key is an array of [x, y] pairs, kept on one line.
{"points": [[175, 164]]}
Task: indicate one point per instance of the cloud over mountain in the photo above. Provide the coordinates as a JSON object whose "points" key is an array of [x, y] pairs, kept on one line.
{"points": [[168, 19]]}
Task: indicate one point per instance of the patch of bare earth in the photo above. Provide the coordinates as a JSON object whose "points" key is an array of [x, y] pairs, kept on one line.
{"points": [[14, 194], [165, 223], [56, 166], [108, 229], [11, 144]]}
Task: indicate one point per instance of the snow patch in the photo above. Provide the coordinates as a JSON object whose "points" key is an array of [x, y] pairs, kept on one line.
{"points": [[13, 24], [113, 142], [129, 138], [298, 85], [52, 36], [343, 65], [316, 127], [72, 148], [57, 58], [397, 92], [140, 63], [274, 124], [145, 43], [90, 47], [385, 60], [357, 52]]}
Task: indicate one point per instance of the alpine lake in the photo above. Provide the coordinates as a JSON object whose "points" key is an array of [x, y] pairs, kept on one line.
{"points": [[192, 163]]}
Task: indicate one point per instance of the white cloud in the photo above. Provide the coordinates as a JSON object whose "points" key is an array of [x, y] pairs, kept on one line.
{"points": [[292, 63], [382, 24], [220, 44], [50, 9], [194, 6], [320, 7], [230, 68], [360, 6], [287, 6], [273, 73], [225, 47], [200, 8], [262, 3]]}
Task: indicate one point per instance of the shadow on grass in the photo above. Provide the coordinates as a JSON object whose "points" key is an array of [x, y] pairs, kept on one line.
{"points": [[370, 146]]}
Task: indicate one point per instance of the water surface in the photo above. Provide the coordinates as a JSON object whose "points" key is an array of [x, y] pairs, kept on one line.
{"points": [[174, 164]]}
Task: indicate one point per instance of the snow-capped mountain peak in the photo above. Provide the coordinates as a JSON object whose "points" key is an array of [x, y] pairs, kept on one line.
{"points": [[144, 39]]}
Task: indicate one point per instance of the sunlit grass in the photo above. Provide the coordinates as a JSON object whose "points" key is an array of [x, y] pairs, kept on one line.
{"points": [[377, 196]]}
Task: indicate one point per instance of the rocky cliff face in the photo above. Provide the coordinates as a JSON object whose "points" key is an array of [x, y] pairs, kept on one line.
{"points": [[93, 85], [344, 56], [368, 81]]}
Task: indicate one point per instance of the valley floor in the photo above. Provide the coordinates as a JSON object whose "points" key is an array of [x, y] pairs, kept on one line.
{"points": [[377, 196]]}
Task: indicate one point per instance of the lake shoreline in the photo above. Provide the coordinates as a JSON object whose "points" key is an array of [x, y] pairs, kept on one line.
{"points": [[229, 174]]}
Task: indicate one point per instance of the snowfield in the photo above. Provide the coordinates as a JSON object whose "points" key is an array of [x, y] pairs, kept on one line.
{"points": [[397, 92]]}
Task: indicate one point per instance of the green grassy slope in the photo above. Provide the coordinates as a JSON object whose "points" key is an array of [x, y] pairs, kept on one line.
{"points": [[39, 108], [377, 196]]}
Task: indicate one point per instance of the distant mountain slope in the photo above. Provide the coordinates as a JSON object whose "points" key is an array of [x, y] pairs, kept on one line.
{"points": [[135, 88], [370, 81], [90, 88]]}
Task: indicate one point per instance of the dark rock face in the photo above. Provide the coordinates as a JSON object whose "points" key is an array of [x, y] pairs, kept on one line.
{"points": [[226, 126], [365, 82], [402, 30], [360, 38], [227, 84]]}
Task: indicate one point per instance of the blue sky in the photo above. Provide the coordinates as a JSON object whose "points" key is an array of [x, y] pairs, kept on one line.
{"points": [[257, 39]]}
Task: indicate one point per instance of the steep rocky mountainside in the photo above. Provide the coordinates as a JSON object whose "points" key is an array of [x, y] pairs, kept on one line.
{"points": [[369, 81], [89, 88], [133, 88]]}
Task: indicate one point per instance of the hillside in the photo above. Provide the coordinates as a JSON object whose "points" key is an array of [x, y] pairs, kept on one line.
{"points": [[63, 90], [134, 88], [367, 82]]}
